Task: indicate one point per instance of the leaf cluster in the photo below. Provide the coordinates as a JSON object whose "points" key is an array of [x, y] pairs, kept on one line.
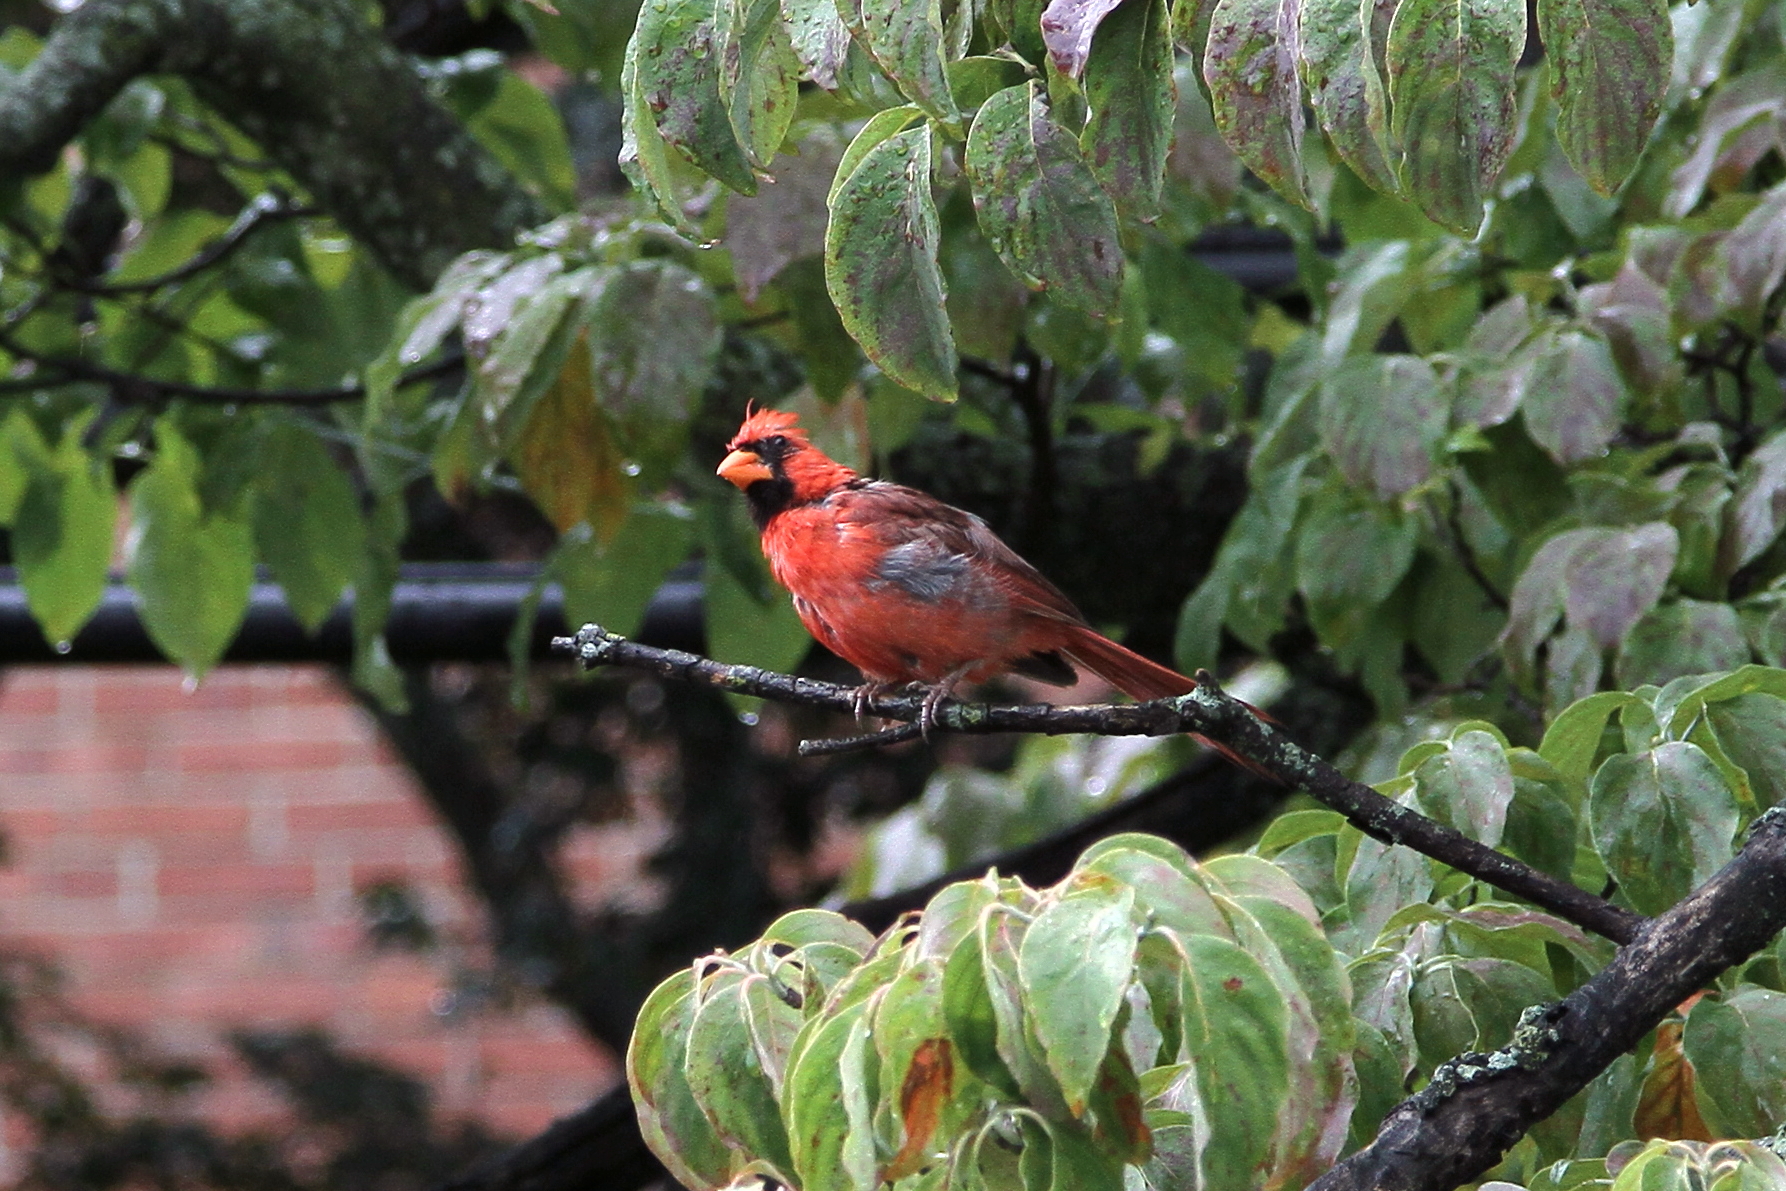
{"points": [[1246, 1020]]}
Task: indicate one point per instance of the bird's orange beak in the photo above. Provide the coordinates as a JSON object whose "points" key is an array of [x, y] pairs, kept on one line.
{"points": [[744, 468]]}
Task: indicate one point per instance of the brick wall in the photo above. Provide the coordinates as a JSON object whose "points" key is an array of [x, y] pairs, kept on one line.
{"points": [[192, 859]]}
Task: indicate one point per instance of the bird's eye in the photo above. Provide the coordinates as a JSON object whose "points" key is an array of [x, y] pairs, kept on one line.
{"points": [[776, 443]]}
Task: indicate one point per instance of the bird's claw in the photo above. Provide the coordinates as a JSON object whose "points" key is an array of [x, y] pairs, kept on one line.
{"points": [[867, 693]]}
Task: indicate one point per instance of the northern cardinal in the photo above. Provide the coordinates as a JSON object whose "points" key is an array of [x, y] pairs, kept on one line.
{"points": [[907, 588]]}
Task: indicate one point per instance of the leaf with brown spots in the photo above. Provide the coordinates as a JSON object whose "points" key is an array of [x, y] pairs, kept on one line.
{"points": [[929, 1082]]}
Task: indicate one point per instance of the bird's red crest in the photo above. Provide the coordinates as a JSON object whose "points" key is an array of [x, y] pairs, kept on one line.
{"points": [[762, 423]]}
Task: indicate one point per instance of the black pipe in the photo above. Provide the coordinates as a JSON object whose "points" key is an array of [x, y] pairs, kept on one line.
{"points": [[439, 612]]}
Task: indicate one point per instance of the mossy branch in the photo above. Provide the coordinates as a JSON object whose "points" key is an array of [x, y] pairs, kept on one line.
{"points": [[1208, 712]]}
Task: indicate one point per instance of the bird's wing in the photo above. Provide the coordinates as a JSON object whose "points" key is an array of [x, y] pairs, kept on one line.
{"points": [[934, 551]]}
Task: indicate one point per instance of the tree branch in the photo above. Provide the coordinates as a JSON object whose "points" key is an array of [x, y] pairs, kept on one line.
{"points": [[262, 210], [309, 81], [130, 388], [1207, 711], [1477, 1106]]}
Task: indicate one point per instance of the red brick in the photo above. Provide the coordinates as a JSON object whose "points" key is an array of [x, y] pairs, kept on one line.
{"points": [[164, 819], [259, 755], [358, 816], [18, 758], [23, 825], [244, 880], [29, 693], [81, 882]]}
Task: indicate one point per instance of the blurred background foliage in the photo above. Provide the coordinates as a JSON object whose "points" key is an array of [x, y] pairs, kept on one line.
{"points": [[1396, 477]]}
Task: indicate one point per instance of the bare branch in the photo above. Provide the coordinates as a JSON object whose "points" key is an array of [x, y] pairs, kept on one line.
{"points": [[1207, 711]]}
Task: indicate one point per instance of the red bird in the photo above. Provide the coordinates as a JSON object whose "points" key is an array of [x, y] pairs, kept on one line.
{"points": [[907, 588]]}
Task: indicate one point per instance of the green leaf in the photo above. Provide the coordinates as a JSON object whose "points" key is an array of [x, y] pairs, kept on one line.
{"points": [[1453, 114], [813, 1102], [654, 336], [1039, 203], [1074, 965], [1001, 940], [1574, 397], [672, 1123], [191, 567], [1374, 283], [876, 129], [1471, 1004], [1609, 64], [906, 37], [1346, 87], [1383, 418], [1662, 821], [772, 1023], [1252, 569], [972, 1021], [758, 74], [611, 583], [1236, 1034], [1573, 738], [1167, 887], [1737, 1045], [1250, 64], [308, 526], [1351, 553], [62, 532], [1469, 786], [726, 1075], [881, 264], [1129, 88], [1751, 731], [1615, 577], [530, 348], [643, 155], [677, 76], [820, 38], [522, 130], [1757, 509], [1681, 637]]}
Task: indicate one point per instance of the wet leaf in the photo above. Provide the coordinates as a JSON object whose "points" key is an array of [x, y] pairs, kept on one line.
{"points": [[677, 76], [308, 526], [1383, 418], [62, 533], [1039, 203], [192, 567], [1346, 88], [881, 264], [1450, 68], [758, 74], [1662, 821], [1609, 66], [1129, 88], [1074, 965], [1250, 64]]}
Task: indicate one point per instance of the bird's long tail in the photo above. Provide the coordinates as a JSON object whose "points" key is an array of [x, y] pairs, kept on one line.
{"points": [[1125, 669], [1139, 678]]}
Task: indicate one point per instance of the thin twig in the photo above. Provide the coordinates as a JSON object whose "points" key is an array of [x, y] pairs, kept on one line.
{"points": [[1466, 556], [1206, 711], [855, 744], [131, 388], [265, 209]]}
